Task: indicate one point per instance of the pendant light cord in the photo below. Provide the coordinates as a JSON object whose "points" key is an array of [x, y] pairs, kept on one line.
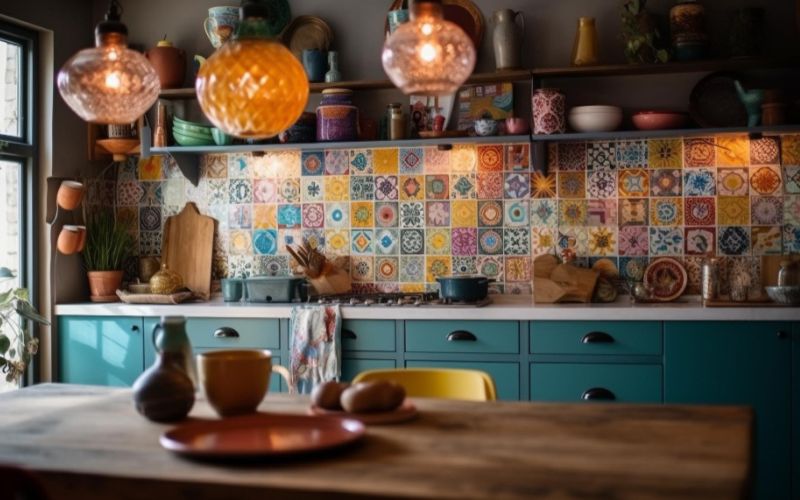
{"points": [[115, 10]]}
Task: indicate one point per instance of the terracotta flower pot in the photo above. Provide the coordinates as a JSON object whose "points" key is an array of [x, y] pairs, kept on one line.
{"points": [[69, 240], [103, 285], [70, 194]]}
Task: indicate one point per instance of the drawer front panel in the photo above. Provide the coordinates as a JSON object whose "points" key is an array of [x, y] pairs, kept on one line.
{"points": [[569, 382], [352, 367], [505, 375], [596, 337], [252, 333], [462, 336], [367, 335]]}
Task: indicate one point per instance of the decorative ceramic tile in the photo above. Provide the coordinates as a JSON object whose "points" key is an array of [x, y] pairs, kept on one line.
{"points": [[436, 161], [362, 214], [518, 157], [601, 155], [601, 213], [337, 162], [214, 166], [632, 154], [666, 212], [463, 213], [572, 213], [698, 152], [700, 240], [265, 191], [766, 210], [412, 187], [666, 182], [218, 192], [791, 238], [517, 185], [387, 268], [733, 182], [314, 238], [791, 179], [338, 241], [733, 210], [412, 160], [516, 241], [240, 216], [129, 217], [312, 162], [337, 188], [518, 269], [361, 241], [337, 215], [491, 267], [571, 185], [572, 156], [387, 241], [387, 214], [288, 190], [386, 187], [265, 216], [665, 153], [766, 240], [733, 240], [283, 164], [412, 215], [271, 265], [311, 189], [150, 169], [129, 193], [765, 151], [490, 241], [288, 237], [240, 266], [632, 268], [463, 264], [462, 186], [516, 213], [602, 184], [220, 214], [435, 267], [700, 182], [602, 241], [633, 240], [464, 158], [412, 269], [149, 219], [542, 186], [733, 151], [572, 241], [437, 213], [543, 213], [700, 211], [152, 194], [238, 166], [128, 170], [289, 216], [791, 210], [666, 241], [361, 161], [543, 240], [241, 191], [766, 180], [437, 241], [490, 158], [240, 242], [489, 185], [386, 161], [693, 272], [362, 187], [437, 187], [362, 268], [790, 149], [412, 241], [634, 183], [265, 241], [313, 215]]}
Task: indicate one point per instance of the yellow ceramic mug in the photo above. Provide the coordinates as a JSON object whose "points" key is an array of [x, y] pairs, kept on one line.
{"points": [[235, 381]]}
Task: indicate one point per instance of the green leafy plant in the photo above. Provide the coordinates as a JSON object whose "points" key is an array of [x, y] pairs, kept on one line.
{"points": [[108, 244], [641, 34], [17, 344]]}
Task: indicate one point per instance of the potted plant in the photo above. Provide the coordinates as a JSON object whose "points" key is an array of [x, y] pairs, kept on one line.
{"points": [[640, 33], [108, 245], [17, 344]]}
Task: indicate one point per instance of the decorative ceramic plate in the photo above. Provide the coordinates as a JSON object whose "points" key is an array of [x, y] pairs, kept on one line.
{"points": [[261, 435], [714, 102], [307, 32], [405, 412], [464, 13], [667, 278]]}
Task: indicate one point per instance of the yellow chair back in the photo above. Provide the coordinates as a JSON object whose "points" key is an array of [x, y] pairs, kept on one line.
{"points": [[446, 383]]}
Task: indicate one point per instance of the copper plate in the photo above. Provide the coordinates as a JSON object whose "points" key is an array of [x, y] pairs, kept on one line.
{"points": [[261, 435], [464, 13], [667, 278], [307, 32], [405, 412]]}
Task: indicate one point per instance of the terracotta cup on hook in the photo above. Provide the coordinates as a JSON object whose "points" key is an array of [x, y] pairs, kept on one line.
{"points": [[82, 240], [69, 239], [70, 194]]}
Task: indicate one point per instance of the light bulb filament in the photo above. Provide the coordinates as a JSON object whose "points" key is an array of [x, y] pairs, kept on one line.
{"points": [[427, 52], [113, 80]]}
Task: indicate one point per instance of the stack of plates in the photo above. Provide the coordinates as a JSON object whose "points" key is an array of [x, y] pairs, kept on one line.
{"points": [[188, 133]]}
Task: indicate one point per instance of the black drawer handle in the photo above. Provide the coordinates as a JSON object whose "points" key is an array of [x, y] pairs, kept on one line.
{"points": [[597, 338], [134, 328], [461, 335], [349, 334], [782, 335], [226, 332], [598, 394]]}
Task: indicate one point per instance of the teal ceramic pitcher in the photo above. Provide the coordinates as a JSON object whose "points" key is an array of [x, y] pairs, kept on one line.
{"points": [[170, 336]]}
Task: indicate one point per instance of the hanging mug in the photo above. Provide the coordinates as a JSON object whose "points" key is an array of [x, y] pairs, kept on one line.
{"points": [[221, 24]]}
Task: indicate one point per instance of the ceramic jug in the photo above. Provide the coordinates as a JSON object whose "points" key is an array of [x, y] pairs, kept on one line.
{"points": [[752, 100], [170, 336], [584, 51], [164, 393], [507, 38], [169, 63]]}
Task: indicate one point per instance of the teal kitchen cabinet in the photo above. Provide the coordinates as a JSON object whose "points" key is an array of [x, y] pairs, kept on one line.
{"points": [[484, 337], [619, 338], [739, 363], [573, 382], [353, 366], [100, 350], [367, 345]]}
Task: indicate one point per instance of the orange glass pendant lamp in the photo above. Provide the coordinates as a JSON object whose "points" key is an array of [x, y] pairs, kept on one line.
{"points": [[109, 83], [252, 86], [429, 55]]}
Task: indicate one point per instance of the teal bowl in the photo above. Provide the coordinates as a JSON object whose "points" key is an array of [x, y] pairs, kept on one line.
{"points": [[184, 140], [193, 135], [184, 125], [221, 138]]}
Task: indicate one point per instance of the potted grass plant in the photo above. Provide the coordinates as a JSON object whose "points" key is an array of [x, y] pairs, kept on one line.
{"points": [[108, 245]]}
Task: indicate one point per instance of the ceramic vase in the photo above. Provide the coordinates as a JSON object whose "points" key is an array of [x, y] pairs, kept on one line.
{"points": [[170, 336], [585, 49], [164, 393], [315, 63], [507, 38], [169, 63], [548, 112], [687, 22], [337, 117], [333, 74]]}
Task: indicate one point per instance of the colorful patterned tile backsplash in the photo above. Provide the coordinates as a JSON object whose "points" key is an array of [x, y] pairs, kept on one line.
{"points": [[406, 215]]}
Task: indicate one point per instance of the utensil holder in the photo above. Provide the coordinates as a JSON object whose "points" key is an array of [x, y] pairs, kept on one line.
{"points": [[337, 281]]}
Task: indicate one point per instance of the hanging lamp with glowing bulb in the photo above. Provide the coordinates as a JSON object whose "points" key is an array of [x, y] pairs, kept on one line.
{"points": [[428, 55], [109, 83], [252, 86]]}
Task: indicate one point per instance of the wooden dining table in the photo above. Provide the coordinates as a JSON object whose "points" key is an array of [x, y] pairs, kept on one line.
{"points": [[89, 442]]}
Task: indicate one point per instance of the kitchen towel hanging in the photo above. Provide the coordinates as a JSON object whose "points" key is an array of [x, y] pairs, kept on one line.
{"points": [[315, 341]]}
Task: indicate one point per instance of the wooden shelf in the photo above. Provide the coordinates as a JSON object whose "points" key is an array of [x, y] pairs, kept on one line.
{"points": [[656, 134]]}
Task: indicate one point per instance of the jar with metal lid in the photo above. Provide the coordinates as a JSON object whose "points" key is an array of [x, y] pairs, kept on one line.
{"points": [[710, 279], [396, 121], [337, 117]]}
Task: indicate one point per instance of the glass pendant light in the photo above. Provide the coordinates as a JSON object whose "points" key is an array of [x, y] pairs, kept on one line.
{"points": [[109, 83], [428, 56], [252, 86]]}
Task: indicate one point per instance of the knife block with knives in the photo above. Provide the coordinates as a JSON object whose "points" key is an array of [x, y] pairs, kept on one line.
{"points": [[324, 276]]}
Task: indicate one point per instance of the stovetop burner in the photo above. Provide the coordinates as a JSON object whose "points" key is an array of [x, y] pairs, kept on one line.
{"points": [[393, 299]]}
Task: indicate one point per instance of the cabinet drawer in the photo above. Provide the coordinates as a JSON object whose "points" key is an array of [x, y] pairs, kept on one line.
{"points": [[505, 375], [571, 382], [367, 335], [462, 336], [596, 337], [252, 333], [352, 367]]}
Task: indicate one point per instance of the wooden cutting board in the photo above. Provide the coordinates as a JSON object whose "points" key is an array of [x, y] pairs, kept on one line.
{"points": [[187, 248]]}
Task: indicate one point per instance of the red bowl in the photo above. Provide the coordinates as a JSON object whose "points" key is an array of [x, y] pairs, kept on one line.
{"points": [[659, 120]]}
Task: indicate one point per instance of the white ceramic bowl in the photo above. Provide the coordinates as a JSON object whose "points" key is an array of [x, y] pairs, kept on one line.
{"points": [[595, 118]]}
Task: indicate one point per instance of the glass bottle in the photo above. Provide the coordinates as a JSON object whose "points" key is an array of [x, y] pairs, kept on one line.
{"points": [[397, 122]]}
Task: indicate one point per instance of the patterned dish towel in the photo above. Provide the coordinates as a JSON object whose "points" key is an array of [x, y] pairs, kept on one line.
{"points": [[315, 340]]}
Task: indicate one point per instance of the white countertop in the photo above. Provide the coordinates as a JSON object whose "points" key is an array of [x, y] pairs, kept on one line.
{"points": [[508, 307]]}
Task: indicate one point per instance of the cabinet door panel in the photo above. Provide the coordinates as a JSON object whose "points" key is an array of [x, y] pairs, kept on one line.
{"points": [[596, 337], [462, 336], [367, 335], [505, 375], [249, 333], [568, 382], [352, 367]]}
